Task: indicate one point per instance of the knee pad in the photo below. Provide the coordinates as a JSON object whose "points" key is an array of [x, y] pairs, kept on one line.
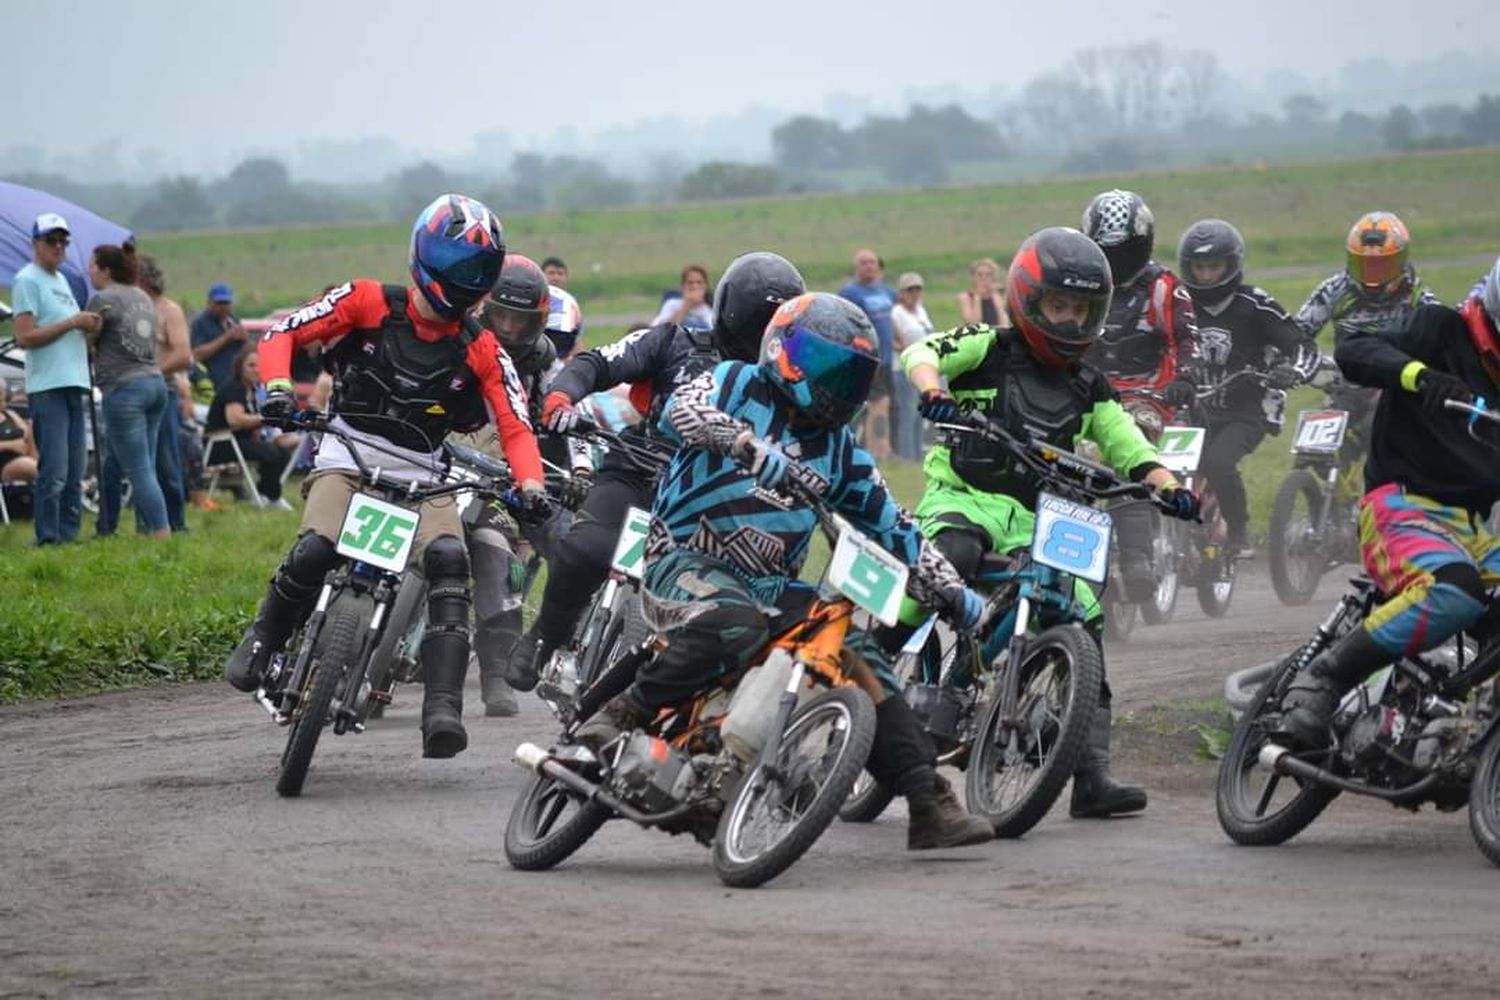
{"points": [[965, 548], [310, 559], [446, 560]]}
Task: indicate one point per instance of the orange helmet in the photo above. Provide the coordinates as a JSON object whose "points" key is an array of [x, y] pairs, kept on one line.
{"points": [[1377, 249]]}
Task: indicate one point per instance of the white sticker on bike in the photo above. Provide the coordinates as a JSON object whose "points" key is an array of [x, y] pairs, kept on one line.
{"points": [[630, 550], [868, 575], [379, 533], [1071, 537], [1180, 448], [1320, 432]]}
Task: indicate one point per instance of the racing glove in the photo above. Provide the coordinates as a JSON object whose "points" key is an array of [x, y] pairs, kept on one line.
{"points": [[1434, 388], [280, 404], [938, 406], [559, 415], [1182, 502], [1283, 377], [536, 505], [577, 488], [766, 463], [1180, 393]]}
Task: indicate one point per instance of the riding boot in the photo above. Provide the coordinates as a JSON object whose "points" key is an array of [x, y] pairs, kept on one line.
{"points": [[1314, 694], [288, 602], [523, 667], [615, 717], [445, 648], [903, 761], [493, 641], [1095, 793]]}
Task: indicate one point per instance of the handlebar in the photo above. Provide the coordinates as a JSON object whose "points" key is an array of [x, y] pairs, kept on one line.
{"points": [[647, 452]]}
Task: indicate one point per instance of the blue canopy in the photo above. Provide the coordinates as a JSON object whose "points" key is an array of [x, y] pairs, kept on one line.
{"points": [[19, 207]]}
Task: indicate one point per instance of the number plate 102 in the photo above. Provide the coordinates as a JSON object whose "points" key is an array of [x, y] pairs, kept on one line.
{"points": [[377, 532], [1071, 537]]}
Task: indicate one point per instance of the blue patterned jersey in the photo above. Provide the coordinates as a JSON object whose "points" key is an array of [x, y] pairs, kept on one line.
{"points": [[708, 503]]}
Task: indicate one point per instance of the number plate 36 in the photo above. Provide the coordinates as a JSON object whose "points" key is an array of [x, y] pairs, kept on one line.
{"points": [[1071, 537], [378, 533]]}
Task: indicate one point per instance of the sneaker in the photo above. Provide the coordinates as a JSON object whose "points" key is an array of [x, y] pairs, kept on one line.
{"points": [[280, 503]]}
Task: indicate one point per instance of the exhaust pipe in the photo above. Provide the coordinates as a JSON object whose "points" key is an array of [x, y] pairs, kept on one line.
{"points": [[533, 758], [1279, 760]]}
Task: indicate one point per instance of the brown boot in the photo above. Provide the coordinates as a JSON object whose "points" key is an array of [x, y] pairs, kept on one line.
{"points": [[938, 820]]}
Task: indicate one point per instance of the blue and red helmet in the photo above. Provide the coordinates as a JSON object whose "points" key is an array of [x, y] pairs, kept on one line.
{"points": [[820, 351], [457, 250]]}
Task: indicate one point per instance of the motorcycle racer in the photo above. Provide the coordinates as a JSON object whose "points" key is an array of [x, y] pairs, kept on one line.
{"points": [[1033, 379], [1424, 534], [726, 532], [409, 366], [1149, 342]]}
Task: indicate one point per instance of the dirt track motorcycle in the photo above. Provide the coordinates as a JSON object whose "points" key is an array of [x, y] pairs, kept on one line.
{"points": [[1314, 522], [1012, 703], [1425, 729], [756, 766], [397, 657], [324, 677]]}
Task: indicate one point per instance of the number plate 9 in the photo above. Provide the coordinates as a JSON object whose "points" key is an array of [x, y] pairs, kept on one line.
{"points": [[1071, 537], [378, 533], [868, 575]]}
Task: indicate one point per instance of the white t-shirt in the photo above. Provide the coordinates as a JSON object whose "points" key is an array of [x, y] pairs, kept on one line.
{"points": [[910, 325]]}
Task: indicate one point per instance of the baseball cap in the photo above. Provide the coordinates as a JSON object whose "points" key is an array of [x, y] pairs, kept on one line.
{"points": [[220, 292], [911, 279], [48, 222]]}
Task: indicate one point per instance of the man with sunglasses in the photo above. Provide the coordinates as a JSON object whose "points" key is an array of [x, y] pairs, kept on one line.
{"points": [[50, 326]]}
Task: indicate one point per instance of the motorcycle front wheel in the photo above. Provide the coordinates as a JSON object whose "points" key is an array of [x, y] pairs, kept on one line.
{"points": [[781, 809], [335, 647], [1484, 800], [1295, 547], [1018, 768], [548, 823]]}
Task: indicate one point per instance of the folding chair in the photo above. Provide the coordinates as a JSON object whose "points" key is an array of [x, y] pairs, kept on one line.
{"points": [[215, 470]]}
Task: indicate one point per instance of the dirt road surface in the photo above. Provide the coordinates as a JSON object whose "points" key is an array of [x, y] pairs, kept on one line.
{"points": [[145, 853]]}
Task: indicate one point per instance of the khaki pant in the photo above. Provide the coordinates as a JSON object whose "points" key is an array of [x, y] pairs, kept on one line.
{"points": [[328, 492]]}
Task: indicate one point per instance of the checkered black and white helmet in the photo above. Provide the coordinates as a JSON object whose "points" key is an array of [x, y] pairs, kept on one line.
{"points": [[1121, 223]]}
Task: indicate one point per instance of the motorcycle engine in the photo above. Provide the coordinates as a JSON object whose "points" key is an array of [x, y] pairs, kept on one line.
{"points": [[652, 773], [939, 710], [1373, 732]]}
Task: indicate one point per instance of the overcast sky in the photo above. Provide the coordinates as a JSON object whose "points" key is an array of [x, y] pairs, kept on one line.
{"points": [[191, 77]]}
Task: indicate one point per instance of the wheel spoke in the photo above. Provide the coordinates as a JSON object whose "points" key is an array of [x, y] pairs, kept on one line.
{"points": [[1266, 793]]}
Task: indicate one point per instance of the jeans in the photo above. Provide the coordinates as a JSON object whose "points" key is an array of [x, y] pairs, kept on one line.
{"points": [[57, 426], [169, 462], [906, 422], [132, 430]]}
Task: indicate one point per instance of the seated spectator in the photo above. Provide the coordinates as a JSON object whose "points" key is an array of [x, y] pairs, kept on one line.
{"points": [[690, 306], [17, 449], [236, 407], [984, 300]]}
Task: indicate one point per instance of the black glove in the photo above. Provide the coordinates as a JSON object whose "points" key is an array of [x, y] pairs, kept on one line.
{"points": [[1435, 388], [1180, 393], [536, 506], [1283, 377], [577, 488], [278, 408], [1182, 502], [938, 406]]}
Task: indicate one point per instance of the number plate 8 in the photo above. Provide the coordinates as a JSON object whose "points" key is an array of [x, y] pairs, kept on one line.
{"points": [[1071, 537]]}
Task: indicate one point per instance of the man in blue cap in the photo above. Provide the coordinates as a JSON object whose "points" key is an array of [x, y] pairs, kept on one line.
{"points": [[51, 328], [217, 335]]}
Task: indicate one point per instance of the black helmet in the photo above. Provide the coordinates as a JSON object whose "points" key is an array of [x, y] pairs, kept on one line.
{"points": [[752, 286], [1209, 241], [515, 310], [1065, 261], [820, 351], [1120, 222]]}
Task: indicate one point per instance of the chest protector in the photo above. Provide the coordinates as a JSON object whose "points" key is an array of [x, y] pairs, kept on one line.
{"points": [[1029, 399], [1133, 343], [1483, 336], [412, 392]]}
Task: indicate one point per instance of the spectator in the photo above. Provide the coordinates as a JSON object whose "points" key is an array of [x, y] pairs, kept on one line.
{"points": [[909, 324], [556, 272], [133, 391], [17, 450], [876, 298], [689, 308], [51, 329], [564, 322], [984, 300], [174, 357], [217, 335], [236, 407]]}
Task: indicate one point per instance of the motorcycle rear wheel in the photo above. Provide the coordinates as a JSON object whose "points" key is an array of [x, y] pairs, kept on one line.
{"points": [[541, 833], [866, 801], [1484, 801], [336, 644], [1159, 609], [801, 792], [1061, 674]]}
